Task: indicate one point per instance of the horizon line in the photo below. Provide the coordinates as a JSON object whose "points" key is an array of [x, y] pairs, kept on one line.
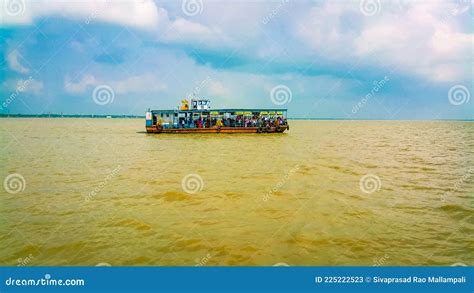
{"points": [[130, 116]]}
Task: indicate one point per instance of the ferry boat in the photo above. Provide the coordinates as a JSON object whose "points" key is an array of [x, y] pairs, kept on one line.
{"points": [[198, 117]]}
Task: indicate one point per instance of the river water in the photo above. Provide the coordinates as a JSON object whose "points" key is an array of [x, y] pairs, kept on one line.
{"points": [[101, 191]]}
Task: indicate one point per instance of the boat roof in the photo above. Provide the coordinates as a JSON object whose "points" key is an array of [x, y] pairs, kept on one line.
{"points": [[222, 110]]}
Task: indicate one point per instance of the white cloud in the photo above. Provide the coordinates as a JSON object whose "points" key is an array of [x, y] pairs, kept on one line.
{"points": [[138, 84], [217, 89], [34, 86], [85, 83], [141, 14], [146, 83], [14, 63], [185, 31], [424, 38], [29, 85], [419, 41]]}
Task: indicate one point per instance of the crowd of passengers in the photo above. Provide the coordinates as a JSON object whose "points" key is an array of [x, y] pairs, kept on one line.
{"points": [[239, 121]]}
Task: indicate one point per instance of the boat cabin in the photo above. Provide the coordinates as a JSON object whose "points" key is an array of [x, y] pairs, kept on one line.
{"points": [[199, 117]]}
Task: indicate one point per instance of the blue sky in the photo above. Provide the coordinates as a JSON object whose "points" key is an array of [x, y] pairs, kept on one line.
{"points": [[365, 59]]}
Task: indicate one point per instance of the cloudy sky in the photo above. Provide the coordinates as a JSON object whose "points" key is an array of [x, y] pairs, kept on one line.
{"points": [[365, 59]]}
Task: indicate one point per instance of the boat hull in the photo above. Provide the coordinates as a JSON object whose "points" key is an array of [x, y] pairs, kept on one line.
{"points": [[155, 129]]}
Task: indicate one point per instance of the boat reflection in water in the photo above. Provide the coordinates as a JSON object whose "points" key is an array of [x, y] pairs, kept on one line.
{"points": [[199, 118]]}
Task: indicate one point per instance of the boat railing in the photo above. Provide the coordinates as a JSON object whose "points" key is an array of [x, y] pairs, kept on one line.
{"points": [[224, 123]]}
